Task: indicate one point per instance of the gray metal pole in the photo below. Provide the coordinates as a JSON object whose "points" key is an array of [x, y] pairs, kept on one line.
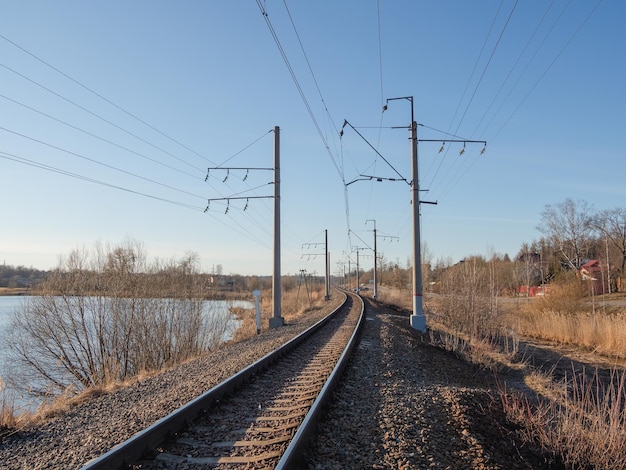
{"points": [[418, 320], [357, 270], [375, 265], [327, 294], [375, 260], [277, 320]]}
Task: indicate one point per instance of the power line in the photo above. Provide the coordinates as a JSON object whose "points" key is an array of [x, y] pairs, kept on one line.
{"points": [[528, 64], [103, 139], [103, 98], [542, 76], [26, 161], [297, 84], [243, 231], [545, 72], [482, 75], [99, 137], [98, 162], [493, 51], [105, 120], [480, 54], [304, 99], [517, 61], [99, 117], [306, 58]]}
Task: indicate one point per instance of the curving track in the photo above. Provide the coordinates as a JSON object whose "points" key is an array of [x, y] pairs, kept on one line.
{"points": [[258, 418]]}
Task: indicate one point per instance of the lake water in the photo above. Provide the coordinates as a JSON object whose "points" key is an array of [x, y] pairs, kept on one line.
{"points": [[10, 304]]}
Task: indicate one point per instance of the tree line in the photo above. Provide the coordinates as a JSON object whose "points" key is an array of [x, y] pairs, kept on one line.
{"points": [[573, 233], [20, 276]]}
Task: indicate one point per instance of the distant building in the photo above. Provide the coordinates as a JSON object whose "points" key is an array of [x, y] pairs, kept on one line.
{"points": [[592, 272], [532, 291]]}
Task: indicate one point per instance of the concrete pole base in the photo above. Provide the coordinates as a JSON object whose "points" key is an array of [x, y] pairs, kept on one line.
{"points": [[418, 322], [277, 322]]}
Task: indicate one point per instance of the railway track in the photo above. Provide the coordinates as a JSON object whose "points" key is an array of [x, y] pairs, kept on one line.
{"points": [[259, 418]]}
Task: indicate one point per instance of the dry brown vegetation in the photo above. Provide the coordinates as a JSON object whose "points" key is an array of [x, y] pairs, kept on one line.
{"points": [[104, 317], [567, 317], [295, 302], [14, 291], [577, 415], [59, 308]]}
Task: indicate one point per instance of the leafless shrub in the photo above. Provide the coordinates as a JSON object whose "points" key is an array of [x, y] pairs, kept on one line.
{"points": [[467, 317], [109, 315], [466, 302]]}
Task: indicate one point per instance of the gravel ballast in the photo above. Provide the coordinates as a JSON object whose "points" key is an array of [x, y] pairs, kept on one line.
{"points": [[403, 404]]}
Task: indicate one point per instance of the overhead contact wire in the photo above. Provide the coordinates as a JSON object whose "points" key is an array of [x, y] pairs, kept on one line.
{"points": [[297, 84]]}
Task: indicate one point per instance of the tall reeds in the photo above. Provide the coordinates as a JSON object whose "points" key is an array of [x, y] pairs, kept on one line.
{"points": [[581, 420]]}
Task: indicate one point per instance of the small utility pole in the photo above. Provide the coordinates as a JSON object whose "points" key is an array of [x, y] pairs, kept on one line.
{"points": [[375, 262], [357, 270], [358, 279], [326, 262]]}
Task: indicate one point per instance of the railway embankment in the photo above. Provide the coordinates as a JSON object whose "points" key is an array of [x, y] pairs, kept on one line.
{"points": [[402, 404]]}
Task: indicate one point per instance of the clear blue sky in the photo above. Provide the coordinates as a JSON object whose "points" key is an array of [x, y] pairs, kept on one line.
{"points": [[542, 82]]}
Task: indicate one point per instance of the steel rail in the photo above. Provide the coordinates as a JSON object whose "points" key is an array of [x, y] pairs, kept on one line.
{"points": [[134, 447], [293, 454]]}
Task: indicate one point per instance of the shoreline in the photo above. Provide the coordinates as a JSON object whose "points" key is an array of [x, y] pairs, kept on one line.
{"points": [[14, 291]]}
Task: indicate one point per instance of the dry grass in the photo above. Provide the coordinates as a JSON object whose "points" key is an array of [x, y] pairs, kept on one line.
{"points": [[13, 419], [14, 291], [580, 420], [602, 334], [566, 317], [294, 304], [396, 297]]}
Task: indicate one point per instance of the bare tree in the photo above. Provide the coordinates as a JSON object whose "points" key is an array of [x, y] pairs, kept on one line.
{"points": [[465, 301], [108, 315], [527, 267], [611, 224], [569, 227]]}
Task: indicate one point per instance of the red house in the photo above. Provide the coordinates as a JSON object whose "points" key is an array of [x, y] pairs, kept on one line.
{"points": [[591, 272]]}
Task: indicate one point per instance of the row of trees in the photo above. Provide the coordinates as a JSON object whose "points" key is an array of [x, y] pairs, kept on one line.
{"points": [[573, 233], [20, 276]]}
